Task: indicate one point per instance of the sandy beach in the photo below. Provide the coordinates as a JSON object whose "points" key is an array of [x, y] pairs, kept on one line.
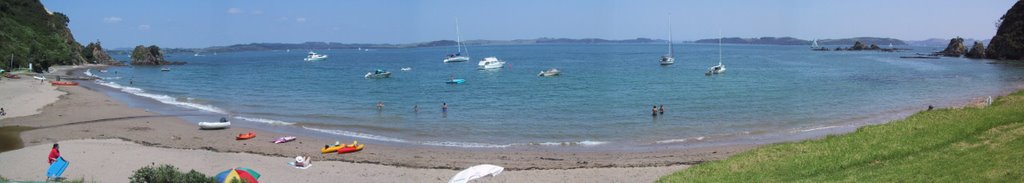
{"points": [[107, 125], [25, 96]]}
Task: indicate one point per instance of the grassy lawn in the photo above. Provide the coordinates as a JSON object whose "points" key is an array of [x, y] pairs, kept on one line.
{"points": [[945, 145]]}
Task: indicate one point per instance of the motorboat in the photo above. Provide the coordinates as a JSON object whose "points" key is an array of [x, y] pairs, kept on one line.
{"points": [[165, 69], [313, 56], [222, 124], [550, 72], [491, 63], [457, 56], [378, 74]]}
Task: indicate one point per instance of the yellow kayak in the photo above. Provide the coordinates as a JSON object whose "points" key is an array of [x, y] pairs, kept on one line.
{"points": [[331, 149]]}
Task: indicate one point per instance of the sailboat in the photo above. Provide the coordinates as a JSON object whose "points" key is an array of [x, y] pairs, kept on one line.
{"points": [[457, 56], [718, 69], [670, 58], [816, 47]]}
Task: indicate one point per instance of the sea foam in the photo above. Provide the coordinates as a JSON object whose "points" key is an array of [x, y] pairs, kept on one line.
{"points": [[267, 121], [161, 98]]}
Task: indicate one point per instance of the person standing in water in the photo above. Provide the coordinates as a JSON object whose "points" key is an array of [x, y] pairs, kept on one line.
{"points": [[416, 108], [661, 110], [380, 105], [654, 110], [444, 107]]}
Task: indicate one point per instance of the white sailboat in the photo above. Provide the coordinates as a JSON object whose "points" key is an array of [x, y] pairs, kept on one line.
{"points": [[670, 58], [717, 69], [457, 56], [814, 44]]}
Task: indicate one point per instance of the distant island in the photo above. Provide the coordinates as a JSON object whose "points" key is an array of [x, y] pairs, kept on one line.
{"points": [[336, 45], [795, 41]]}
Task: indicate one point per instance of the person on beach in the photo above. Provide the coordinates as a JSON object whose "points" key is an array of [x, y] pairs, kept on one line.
{"points": [[2, 112], [54, 154], [654, 110], [661, 110], [380, 105], [930, 107], [444, 107]]}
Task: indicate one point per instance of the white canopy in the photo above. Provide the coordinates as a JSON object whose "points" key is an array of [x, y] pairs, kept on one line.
{"points": [[476, 172]]}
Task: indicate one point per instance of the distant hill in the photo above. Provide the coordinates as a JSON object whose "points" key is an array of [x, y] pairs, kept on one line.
{"points": [[937, 42], [795, 41], [335, 45]]}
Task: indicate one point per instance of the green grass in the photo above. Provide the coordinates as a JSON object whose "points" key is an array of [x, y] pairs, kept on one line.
{"points": [[945, 145]]}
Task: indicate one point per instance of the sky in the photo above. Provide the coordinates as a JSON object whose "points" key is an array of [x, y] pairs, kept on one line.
{"points": [[204, 23]]}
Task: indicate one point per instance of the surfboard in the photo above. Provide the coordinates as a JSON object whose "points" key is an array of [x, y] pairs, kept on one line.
{"points": [[57, 168]]}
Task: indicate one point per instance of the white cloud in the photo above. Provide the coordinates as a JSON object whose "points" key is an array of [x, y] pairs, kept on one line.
{"points": [[144, 27], [300, 19], [235, 10], [112, 19]]}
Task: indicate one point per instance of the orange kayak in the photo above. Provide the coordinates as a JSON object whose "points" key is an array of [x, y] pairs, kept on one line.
{"points": [[63, 83], [246, 136]]}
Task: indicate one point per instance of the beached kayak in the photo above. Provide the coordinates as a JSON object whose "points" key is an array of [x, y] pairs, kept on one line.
{"points": [[214, 125], [284, 139], [63, 83], [331, 149], [246, 136], [351, 148]]}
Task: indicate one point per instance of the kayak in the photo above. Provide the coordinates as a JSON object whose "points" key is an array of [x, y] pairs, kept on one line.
{"points": [[351, 148], [455, 81], [213, 125], [331, 149], [284, 139], [246, 136], [64, 83]]}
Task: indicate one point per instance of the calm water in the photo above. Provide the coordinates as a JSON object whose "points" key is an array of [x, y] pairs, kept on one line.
{"points": [[603, 97]]}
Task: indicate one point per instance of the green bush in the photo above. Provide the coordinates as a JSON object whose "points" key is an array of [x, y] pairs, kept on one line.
{"points": [[167, 174]]}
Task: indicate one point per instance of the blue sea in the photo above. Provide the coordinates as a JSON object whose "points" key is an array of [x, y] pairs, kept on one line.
{"points": [[602, 99]]}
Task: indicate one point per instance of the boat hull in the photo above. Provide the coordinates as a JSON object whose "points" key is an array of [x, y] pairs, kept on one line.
{"points": [[456, 59], [214, 125]]}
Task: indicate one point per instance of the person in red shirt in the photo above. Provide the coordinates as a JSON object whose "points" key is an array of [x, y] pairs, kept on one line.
{"points": [[54, 153]]}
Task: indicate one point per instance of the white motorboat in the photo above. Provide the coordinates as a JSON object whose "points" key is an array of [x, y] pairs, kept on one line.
{"points": [[406, 68], [670, 58], [717, 69], [491, 63], [165, 69], [223, 123], [313, 56], [457, 56], [378, 74], [550, 72]]}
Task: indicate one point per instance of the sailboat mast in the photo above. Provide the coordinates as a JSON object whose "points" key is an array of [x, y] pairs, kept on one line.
{"points": [[671, 52], [719, 48], [458, 36]]}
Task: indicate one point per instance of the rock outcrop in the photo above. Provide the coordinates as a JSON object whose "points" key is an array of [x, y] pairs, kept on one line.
{"points": [[977, 51], [955, 48], [859, 46], [151, 55], [1008, 43], [94, 53]]}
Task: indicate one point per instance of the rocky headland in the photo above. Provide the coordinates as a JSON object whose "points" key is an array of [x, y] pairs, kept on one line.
{"points": [[151, 55], [1008, 43]]}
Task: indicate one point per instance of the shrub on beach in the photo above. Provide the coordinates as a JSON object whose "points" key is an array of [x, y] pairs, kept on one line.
{"points": [[167, 174]]}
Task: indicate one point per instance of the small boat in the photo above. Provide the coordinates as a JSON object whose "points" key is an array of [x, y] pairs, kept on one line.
{"points": [[214, 125], [550, 72], [455, 81], [12, 76], [717, 69], [165, 69], [197, 55], [351, 148], [406, 68], [330, 149], [378, 74], [39, 77], [246, 136], [63, 83], [669, 59], [491, 63], [284, 139], [315, 57], [457, 56]]}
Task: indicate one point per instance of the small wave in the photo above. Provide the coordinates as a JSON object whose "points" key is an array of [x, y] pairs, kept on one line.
{"points": [[267, 121], [357, 135], [466, 144], [88, 72], [818, 128], [679, 140], [161, 98], [579, 143]]}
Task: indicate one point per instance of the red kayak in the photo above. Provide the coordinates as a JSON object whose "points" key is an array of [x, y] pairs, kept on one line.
{"points": [[351, 148], [63, 83], [246, 136]]}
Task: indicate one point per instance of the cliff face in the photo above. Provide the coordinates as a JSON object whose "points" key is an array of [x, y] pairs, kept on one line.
{"points": [[1008, 43], [30, 34], [977, 51], [955, 48], [94, 53], [151, 55]]}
